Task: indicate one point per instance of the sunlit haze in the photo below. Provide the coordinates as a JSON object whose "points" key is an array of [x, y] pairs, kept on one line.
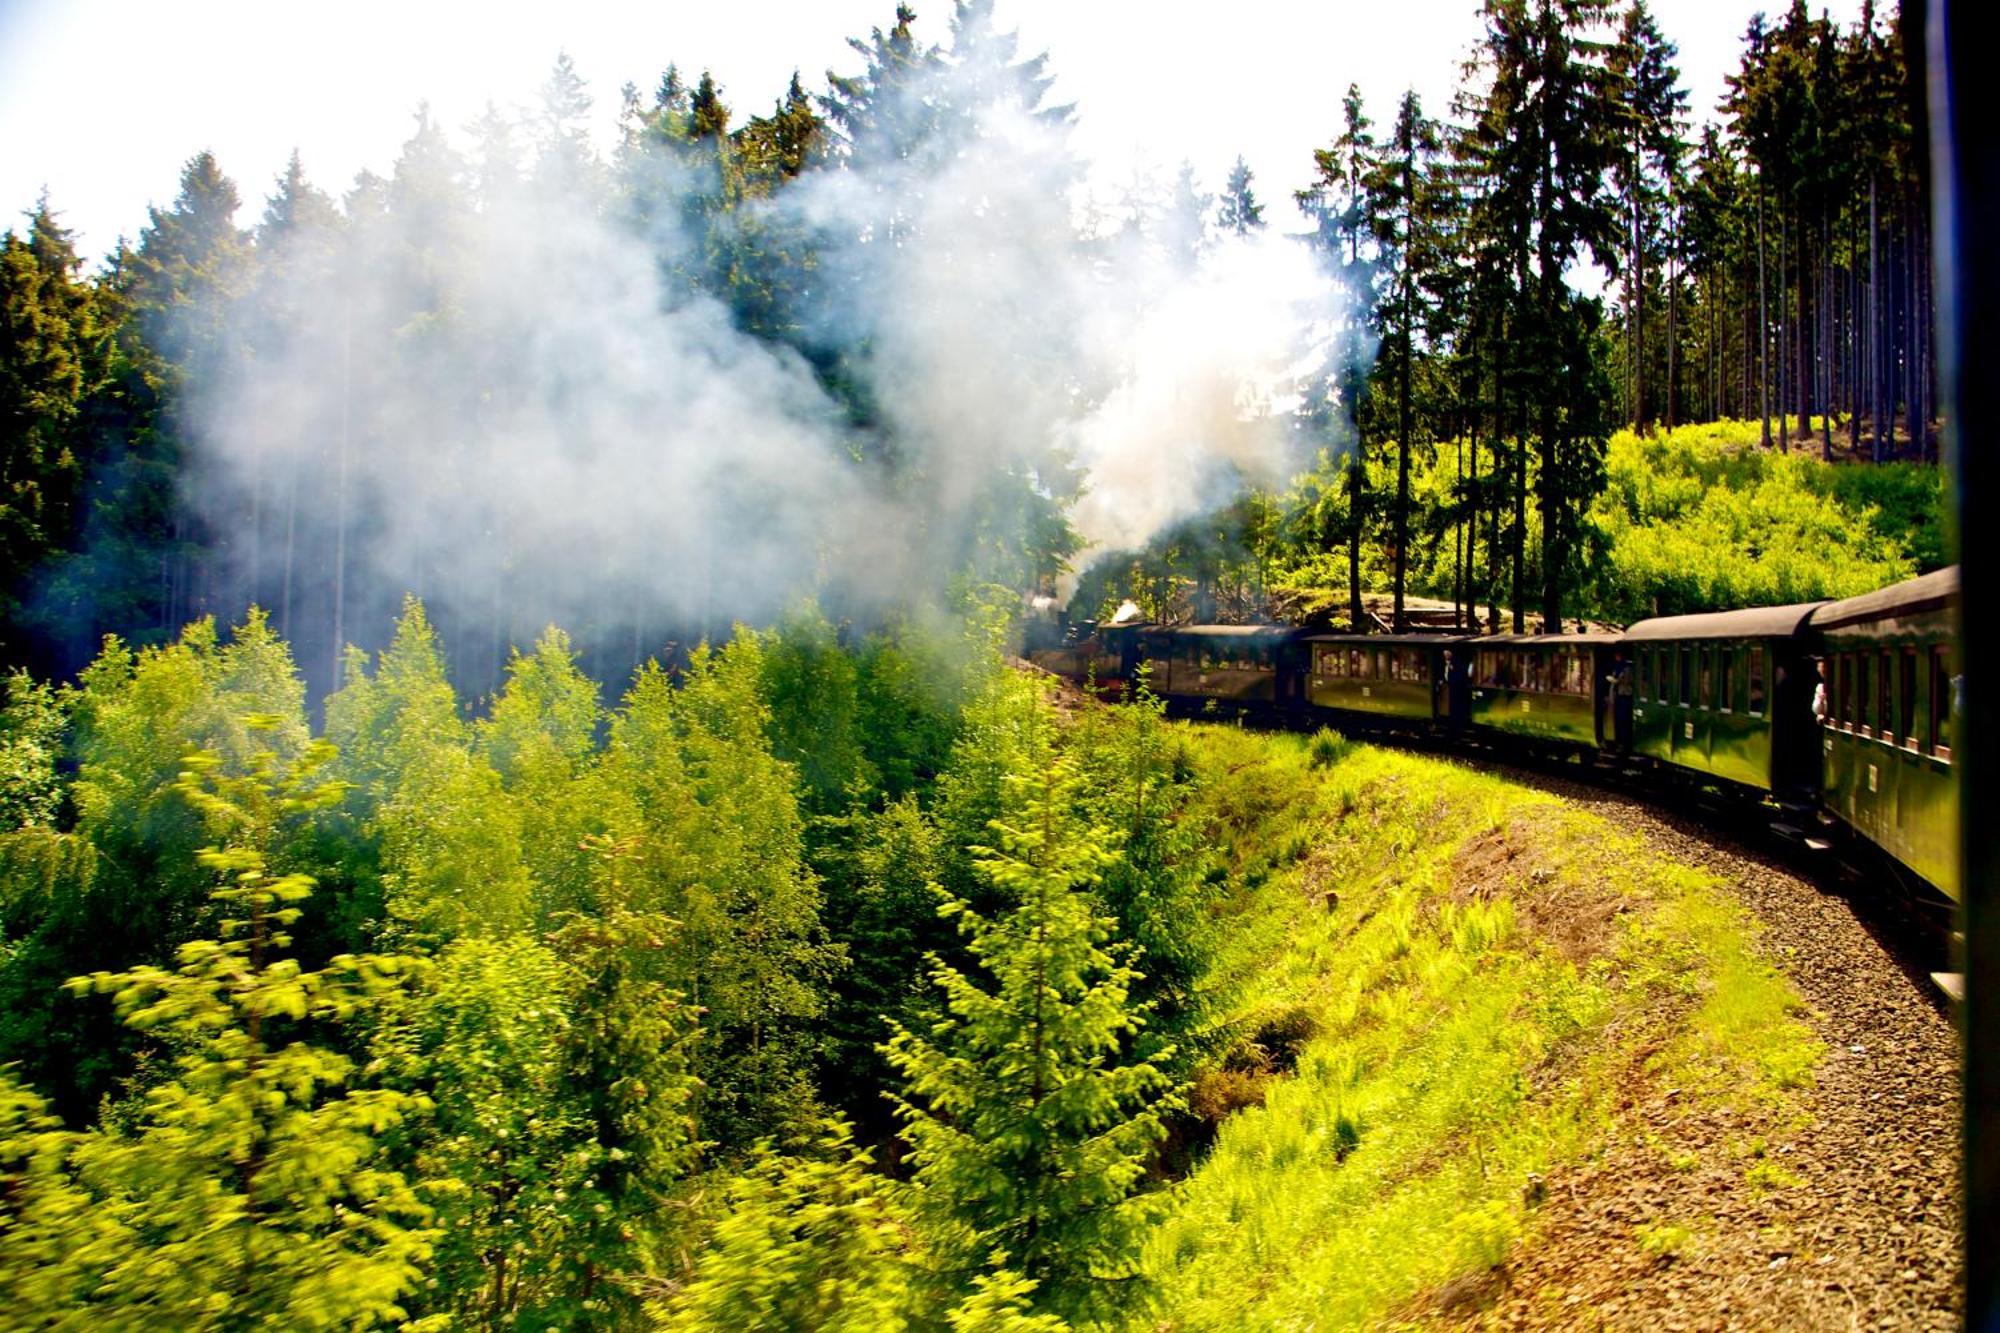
{"points": [[101, 101]]}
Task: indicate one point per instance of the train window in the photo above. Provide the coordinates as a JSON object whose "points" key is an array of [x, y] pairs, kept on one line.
{"points": [[1725, 675], [1663, 666], [1756, 674], [1645, 670], [1906, 698], [1707, 674], [1864, 698], [1684, 695], [1885, 721], [1943, 693]]}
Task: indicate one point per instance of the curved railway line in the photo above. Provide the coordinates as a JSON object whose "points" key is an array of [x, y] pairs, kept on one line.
{"points": [[1819, 732], [1868, 1233]]}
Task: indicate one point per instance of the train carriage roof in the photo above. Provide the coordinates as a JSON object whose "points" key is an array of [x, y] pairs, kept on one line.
{"points": [[1389, 640], [1225, 631], [1540, 640], [1930, 592], [1757, 622]]}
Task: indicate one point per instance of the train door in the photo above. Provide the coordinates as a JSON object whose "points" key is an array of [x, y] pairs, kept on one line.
{"points": [[1613, 683], [1457, 701], [1795, 739]]}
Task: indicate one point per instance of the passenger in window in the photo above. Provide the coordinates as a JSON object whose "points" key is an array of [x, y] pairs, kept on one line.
{"points": [[1819, 691]]}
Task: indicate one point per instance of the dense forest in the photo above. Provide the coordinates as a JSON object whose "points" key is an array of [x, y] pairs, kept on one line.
{"points": [[499, 1021], [1769, 266], [343, 404], [758, 949]]}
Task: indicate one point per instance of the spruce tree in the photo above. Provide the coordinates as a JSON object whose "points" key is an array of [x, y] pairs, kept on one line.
{"points": [[1340, 201], [1239, 211], [1030, 1122]]}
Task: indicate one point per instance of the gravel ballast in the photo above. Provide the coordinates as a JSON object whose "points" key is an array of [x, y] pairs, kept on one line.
{"points": [[1861, 1229]]}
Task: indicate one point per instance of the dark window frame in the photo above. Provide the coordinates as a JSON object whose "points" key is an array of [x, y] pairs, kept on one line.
{"points": [[1941, 699], [1906, 699]]}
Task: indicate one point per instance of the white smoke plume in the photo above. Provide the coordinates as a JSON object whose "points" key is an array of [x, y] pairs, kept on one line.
{"points": [[518, 408]]}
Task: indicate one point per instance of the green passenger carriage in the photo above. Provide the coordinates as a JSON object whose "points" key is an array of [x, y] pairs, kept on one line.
{"points": [[1891, 714], [1391, 676], [1539, 686], [1229, 664], [1728, 694]]}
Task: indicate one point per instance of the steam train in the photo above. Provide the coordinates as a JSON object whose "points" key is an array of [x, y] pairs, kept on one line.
{"points": [[1841, 713]]}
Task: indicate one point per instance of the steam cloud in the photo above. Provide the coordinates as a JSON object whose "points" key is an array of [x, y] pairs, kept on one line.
{"points": [[520, 413]]}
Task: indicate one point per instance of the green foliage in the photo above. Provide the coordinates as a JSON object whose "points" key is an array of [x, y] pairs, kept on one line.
{"points": [[1030, 1123], [882, 906], [31, 738], [51, 359], [138, 893], [1158, 886], [810, 685], [718, 845], [809, 1242], [448, 842], [1000, 1303], [249, 1189], [630, 1062], [1326, 748], [1701, 519]]}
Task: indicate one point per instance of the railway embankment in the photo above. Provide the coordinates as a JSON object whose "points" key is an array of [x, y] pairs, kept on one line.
{"points": [[1489, 1053]]}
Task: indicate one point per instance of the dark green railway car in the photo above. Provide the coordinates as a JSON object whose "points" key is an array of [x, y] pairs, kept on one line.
{"points": [[1541, 686], [1893, 700], [1727, 694], [1103, 653], [1393, 676], [1241, 665]]}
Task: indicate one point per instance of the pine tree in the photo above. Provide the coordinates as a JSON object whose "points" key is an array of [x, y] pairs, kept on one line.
{"points": [[51, 358], [1544, 137], [1645, 170], [1340, 201], [1400, 220], [1239, 212], [1029, 1122]]}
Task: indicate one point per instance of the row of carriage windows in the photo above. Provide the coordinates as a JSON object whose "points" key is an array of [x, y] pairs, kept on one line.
{"points": [[1565, 671], [1337, 663], [1900, 696], [1723, 678], [1226, 655]]}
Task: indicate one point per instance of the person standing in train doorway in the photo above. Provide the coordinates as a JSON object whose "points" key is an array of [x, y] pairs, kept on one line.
{"points": [[1620, 683]]}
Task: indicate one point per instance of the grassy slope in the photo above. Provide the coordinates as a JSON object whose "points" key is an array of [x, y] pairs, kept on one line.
{"points": [[1496, 973]]}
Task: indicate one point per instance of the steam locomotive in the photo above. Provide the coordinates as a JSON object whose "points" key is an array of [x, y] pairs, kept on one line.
{"points": [[1839, 712]]}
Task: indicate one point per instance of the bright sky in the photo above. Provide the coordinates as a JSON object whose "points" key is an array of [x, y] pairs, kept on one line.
{"points": [[101, 101]]}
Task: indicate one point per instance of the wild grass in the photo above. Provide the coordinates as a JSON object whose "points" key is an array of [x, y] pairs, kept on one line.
{"points": [[1452, 1047]]}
